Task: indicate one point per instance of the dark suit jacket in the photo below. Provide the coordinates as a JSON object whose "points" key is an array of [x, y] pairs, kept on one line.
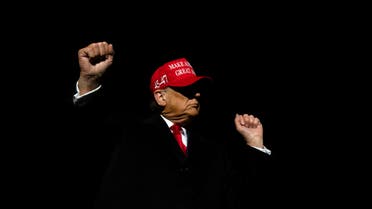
{"points": [[148, 170]]}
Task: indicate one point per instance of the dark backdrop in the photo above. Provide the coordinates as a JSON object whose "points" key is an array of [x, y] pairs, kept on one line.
{"points": [[281, 64]]}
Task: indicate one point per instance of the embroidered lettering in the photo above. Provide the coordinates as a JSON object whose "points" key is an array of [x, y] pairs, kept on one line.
{"points": [[163, 80]]}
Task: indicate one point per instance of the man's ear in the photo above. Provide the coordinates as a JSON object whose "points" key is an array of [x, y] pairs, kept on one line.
{"points": [[159, 96]]}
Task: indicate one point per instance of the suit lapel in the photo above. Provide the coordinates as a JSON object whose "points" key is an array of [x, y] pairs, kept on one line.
{"points": [[164, 139]]}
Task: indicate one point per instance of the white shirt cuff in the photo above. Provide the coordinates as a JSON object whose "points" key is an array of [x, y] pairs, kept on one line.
{"points": [[78, 96], [264, 149]]}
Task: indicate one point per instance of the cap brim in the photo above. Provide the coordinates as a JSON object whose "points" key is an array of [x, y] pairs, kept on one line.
{"points": [[189, 81]]}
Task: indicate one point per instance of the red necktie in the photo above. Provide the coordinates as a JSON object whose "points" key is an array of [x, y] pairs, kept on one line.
{"points": [[176, 130]]}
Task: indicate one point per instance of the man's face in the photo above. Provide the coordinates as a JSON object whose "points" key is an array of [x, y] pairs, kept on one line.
{"points": [[181, 104]]}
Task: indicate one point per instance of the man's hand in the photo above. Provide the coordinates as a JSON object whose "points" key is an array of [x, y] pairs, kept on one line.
{"points": [[94, 60], [250, 128]]}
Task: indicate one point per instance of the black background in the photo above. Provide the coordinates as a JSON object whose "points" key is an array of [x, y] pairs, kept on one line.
{"points": [[291, 67]]}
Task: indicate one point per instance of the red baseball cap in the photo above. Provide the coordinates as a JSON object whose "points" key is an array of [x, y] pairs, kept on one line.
{"points": [[176, 73]]}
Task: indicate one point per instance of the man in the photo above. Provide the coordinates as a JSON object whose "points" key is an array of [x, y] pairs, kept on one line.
{"points": [[154, 167]]}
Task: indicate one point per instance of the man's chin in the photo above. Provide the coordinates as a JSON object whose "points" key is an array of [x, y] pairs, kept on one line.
{"points": [[193, 113]]}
